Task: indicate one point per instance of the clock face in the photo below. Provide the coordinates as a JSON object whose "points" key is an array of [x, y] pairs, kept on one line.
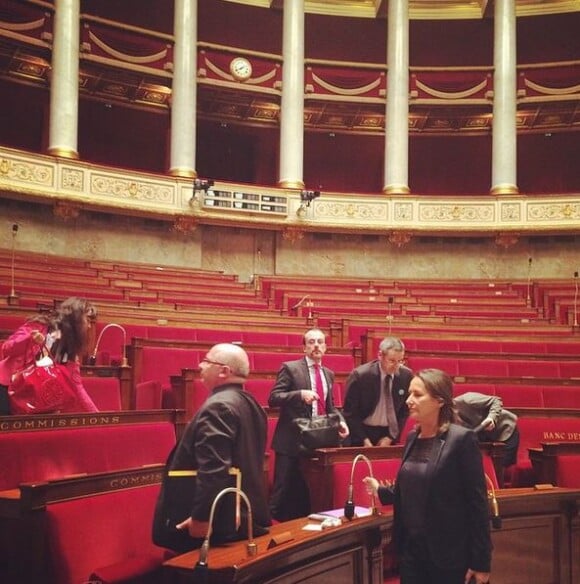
{"points": [[241, 68]]}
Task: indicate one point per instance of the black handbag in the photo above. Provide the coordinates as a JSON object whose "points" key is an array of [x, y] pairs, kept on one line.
{"points": [[317, 432], [174, 506]]}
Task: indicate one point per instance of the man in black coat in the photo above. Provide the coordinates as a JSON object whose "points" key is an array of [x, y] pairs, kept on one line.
{"points": [[228, 432], [374, 405], [295, 393]]}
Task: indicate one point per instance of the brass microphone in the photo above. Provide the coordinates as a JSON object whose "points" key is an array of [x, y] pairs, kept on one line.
{"points": [[493, 506], [349, 505]]}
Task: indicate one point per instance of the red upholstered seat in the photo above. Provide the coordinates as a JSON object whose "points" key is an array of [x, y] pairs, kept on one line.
{"points": [[533, 431], [148, 395], [561, 396], [339, 363], [568, 470], [260, 389], [382, 470], [105, 392], [114, 545], [534, 368], [49, 454], [485, 388], [483, 367], [569, 369], [521, 396], [162, 362], [444, 363]]}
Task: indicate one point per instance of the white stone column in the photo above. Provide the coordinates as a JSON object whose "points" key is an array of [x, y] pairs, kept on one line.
{"points": [[184, 90], [292, 108], [396, 172], [504, 142], [64, 80]]}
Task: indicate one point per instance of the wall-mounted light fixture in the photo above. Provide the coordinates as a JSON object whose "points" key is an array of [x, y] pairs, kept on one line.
{"points": [[200, 185], [306, 197]]}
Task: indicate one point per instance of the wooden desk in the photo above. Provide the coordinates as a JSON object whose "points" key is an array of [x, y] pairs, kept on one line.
{"points": [[544, 459], [539, 542], [318, 468], [350, 554]]}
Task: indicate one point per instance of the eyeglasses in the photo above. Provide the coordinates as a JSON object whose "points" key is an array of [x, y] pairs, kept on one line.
{"points": [[395, 361], [207, 360]]}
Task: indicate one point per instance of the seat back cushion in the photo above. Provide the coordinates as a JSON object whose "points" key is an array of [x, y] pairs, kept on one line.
{"points": [[385, 469], [116, 535], [105, 392], [50, 454]]}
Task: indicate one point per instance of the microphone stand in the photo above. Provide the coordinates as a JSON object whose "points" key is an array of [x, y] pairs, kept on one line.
{"points": [[494, 507], [13, 297], [575, 300], [349, 505], [390, 312], [201, 568], [124, 360], [528, 297]]}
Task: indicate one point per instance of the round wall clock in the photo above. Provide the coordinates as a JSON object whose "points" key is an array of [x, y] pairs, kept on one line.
{"points": [[241, 68]]}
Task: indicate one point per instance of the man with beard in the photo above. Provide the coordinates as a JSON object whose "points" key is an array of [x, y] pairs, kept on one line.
{"points": [[303, 389]]}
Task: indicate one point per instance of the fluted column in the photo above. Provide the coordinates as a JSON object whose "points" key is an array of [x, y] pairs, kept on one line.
{"points": [[504, 143], [64, 80], [184, 90], [292, 108], [396, 170]]}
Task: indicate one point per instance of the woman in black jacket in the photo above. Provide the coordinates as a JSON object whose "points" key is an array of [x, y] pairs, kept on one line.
{"points": [[441, 513]]}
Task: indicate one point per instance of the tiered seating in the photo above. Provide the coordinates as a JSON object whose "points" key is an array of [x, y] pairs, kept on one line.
{"points": [[54, 446], [43, 541], [49, 460]]}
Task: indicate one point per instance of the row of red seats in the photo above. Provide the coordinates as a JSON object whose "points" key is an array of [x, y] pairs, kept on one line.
{"points": [[62, 471], [499, 367]]}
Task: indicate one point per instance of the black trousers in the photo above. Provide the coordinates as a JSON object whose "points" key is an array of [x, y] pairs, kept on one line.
{"points": [[290, 495], [510, 452], [375, 433], [417, 567], [4, 403]]}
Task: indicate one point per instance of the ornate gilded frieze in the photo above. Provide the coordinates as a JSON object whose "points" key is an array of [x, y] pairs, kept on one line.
{"points": [[78, 186], [554, 211], [29, 172], [104, 185], [351, 210], [457, 212]]}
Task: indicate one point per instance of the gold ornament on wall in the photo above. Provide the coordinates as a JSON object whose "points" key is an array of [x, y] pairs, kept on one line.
{"points": [[400, 238], [65, 211], [184, 224], [506, 240], [292, 234]]}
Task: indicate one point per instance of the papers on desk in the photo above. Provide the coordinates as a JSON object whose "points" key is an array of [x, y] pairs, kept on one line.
{"points": [[332, 518]]}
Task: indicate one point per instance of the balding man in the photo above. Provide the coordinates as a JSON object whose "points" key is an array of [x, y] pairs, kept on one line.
{"points": [[228, 431]]}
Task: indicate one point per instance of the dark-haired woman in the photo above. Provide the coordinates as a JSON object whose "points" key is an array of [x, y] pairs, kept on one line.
{"points": [[441, 513], [65, 332]]}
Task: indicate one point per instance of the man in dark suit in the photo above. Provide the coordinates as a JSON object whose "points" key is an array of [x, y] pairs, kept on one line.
{"points": [[303, 389], [374, 405], [492, 423], [228, 432]]}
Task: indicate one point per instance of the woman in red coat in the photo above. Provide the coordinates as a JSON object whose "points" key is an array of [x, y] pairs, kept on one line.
{"points": [[65, 332]]}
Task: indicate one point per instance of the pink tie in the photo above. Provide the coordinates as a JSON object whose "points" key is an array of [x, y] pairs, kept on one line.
{"points": [[321, 405]]}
